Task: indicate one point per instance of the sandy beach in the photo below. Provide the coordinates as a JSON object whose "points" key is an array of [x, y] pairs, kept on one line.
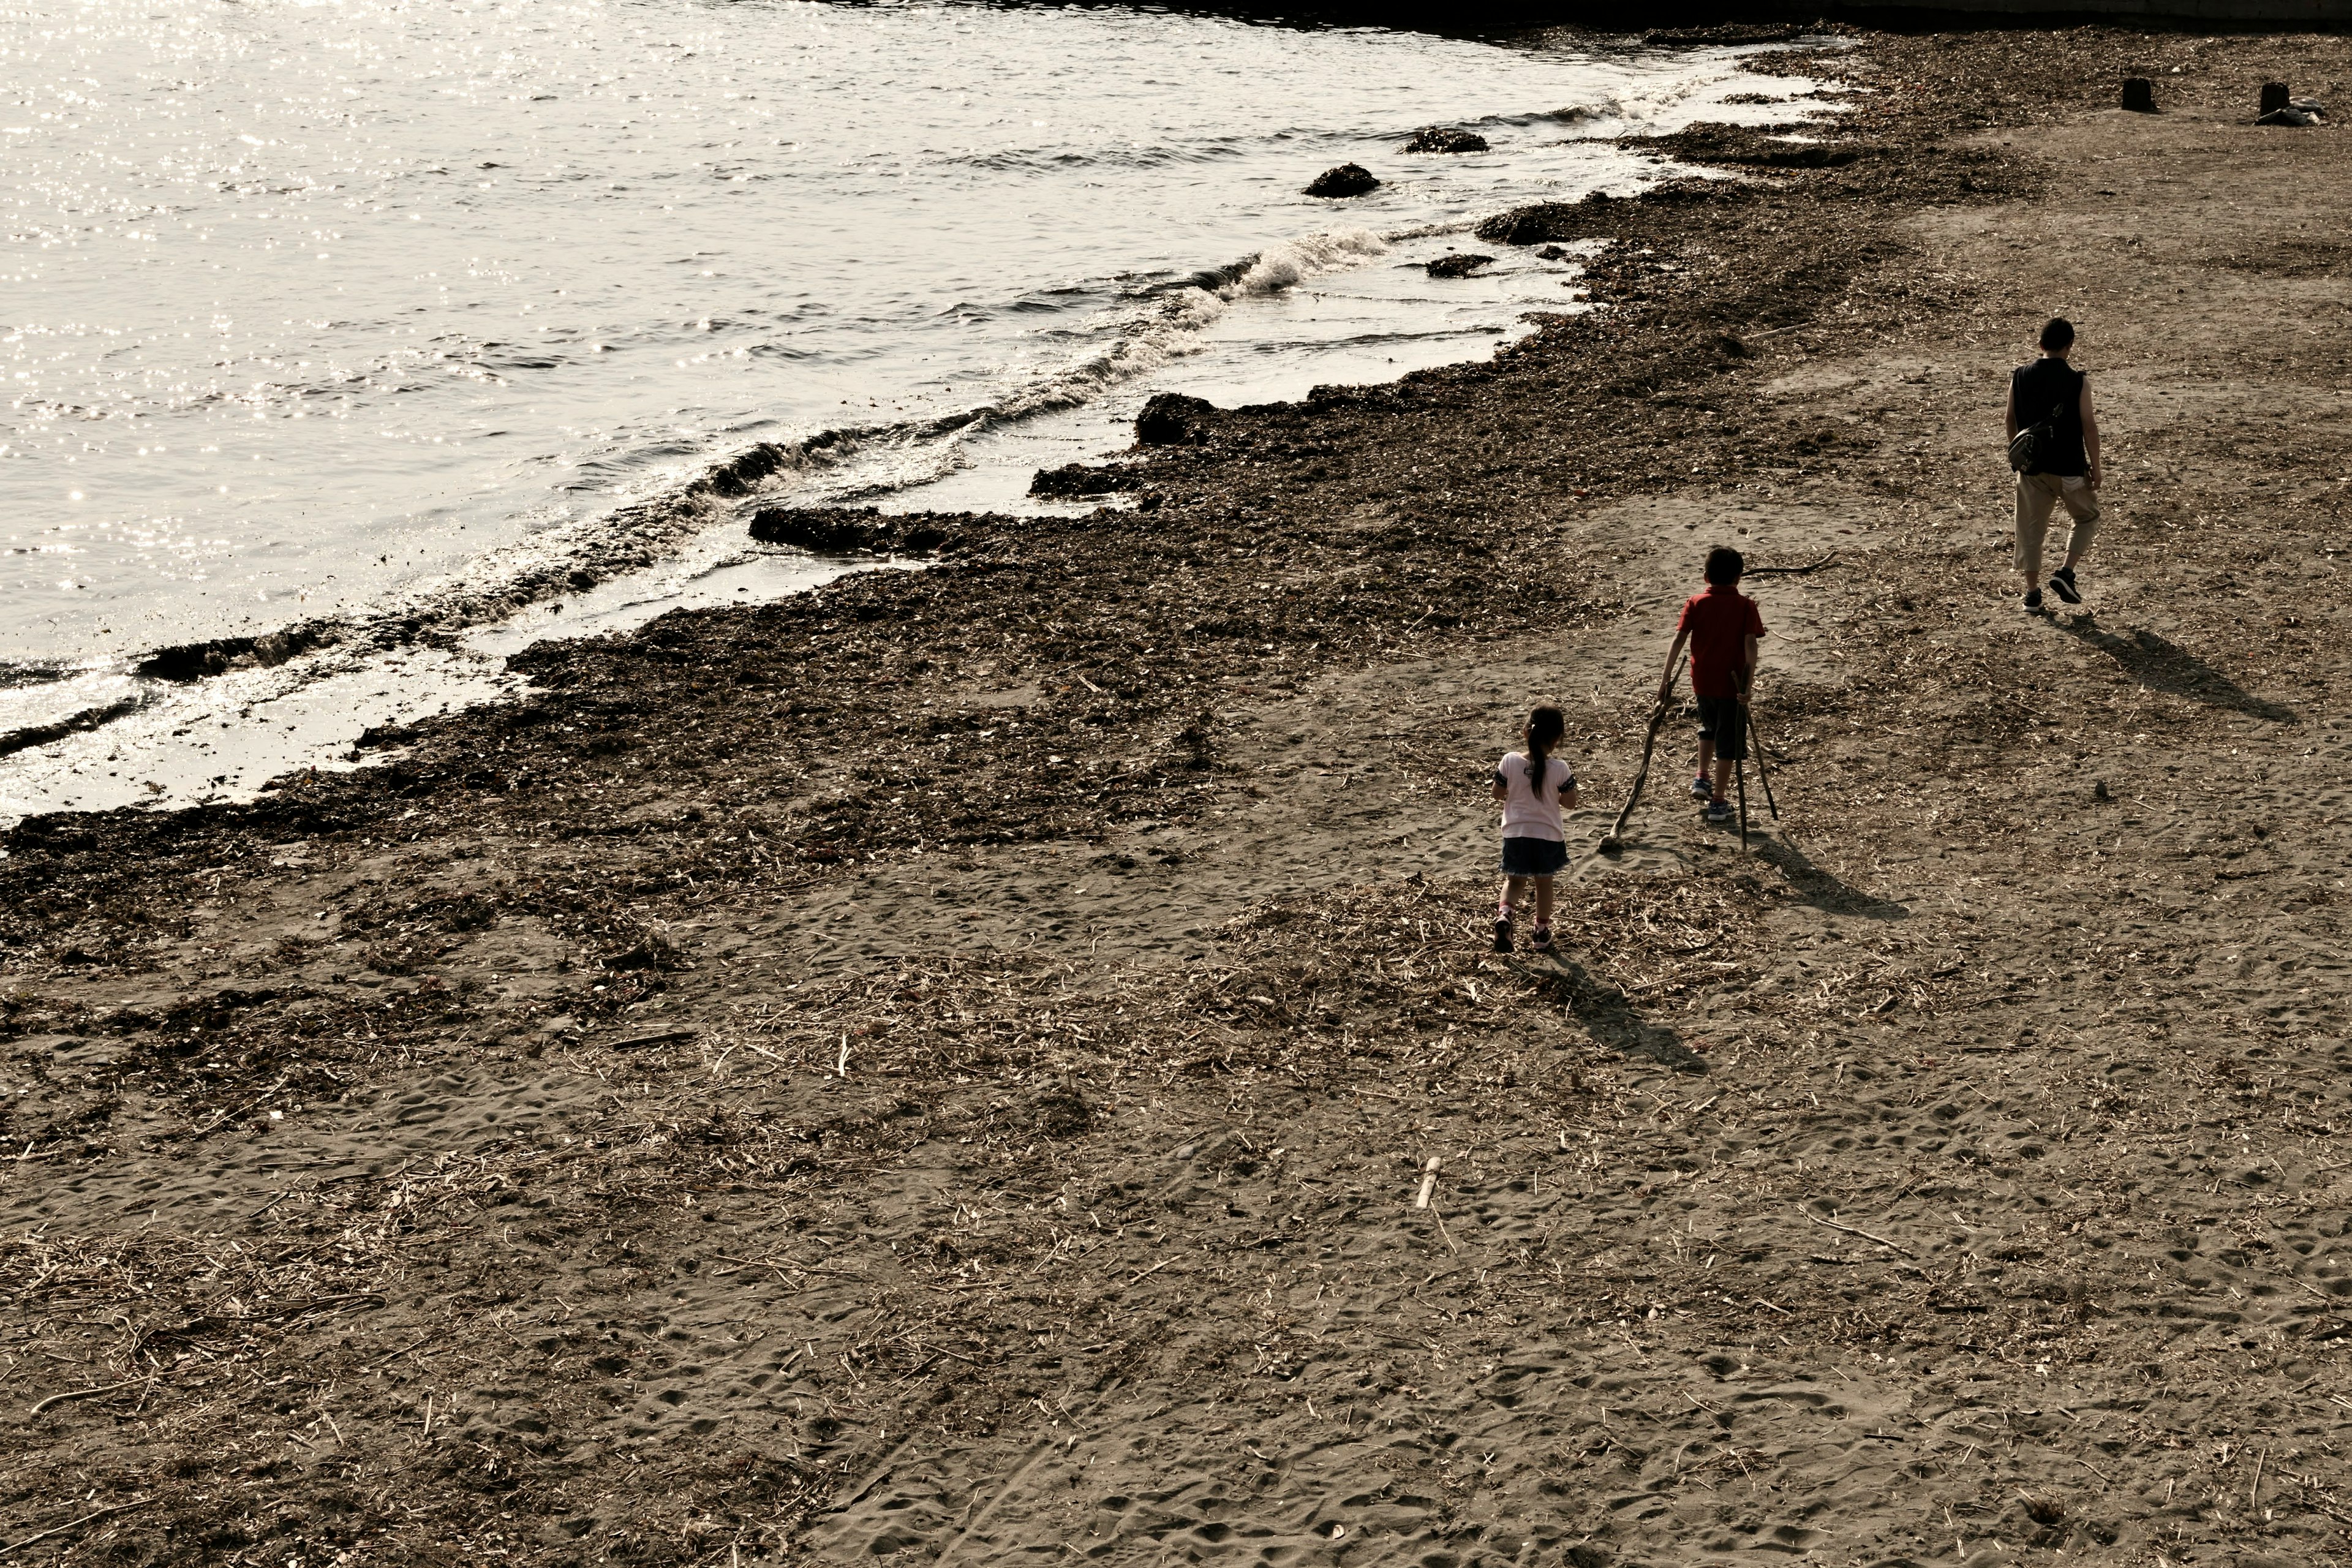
{"points": [[943, 1068]]}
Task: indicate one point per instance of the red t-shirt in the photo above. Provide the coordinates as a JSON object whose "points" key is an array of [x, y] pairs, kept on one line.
{"points": [[1718, 621]]}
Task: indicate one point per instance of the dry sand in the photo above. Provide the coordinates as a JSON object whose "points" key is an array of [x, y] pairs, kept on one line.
{"points": [[942, 1070]]}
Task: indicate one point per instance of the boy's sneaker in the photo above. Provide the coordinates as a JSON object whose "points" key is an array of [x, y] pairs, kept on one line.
{"points": [[2062, 583], [1540, 939], [1719, 811], [1701, 790], [2033, 598], [1502, 933]]}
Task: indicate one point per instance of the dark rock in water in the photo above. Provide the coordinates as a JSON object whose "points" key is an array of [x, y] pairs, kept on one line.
{"points": [[1458, 265], [1520, 225], [850, 530], [2274, 96], [1347, 180], [1446, 139], [1083, 479], [2139, 95], [193, 662], [581, 579], [1552, 253], [1172, 420]]}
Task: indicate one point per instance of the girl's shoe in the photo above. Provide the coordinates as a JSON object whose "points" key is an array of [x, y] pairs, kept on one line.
{"points": [[1502, 933], [1701, 790], [1719, 811], [1540, 939]]}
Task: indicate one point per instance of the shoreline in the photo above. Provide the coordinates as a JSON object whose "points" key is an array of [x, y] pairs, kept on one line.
{"points": [[942, 1065], [624, 551]]}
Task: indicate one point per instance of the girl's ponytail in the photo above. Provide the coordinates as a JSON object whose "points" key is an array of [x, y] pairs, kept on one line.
{"points": [[1545, 725]]}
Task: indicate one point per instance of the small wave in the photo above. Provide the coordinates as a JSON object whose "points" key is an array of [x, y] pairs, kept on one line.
{"points": [[1585, 114], [1038, 159]]}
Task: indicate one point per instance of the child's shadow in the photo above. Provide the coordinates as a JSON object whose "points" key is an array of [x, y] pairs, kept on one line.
{"points": [[1821, 890], [1606, 1014]]}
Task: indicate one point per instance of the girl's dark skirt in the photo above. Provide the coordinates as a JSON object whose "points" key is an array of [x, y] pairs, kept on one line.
{"points": [[1533, 856]]}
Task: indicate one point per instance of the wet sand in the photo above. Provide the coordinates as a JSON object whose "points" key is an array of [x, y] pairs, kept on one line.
{"points": [[943, 1069]]}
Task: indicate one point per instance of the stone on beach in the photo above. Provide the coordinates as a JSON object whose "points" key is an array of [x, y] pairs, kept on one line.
{"points": [[849, 530], [1172, 420], [1347, 180], [1083, 479]]}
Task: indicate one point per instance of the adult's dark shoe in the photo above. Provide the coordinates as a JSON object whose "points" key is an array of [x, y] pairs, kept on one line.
{"points": [[2062, 583], [2033, 598]]}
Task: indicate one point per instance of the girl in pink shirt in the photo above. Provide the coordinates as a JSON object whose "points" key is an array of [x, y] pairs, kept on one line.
{"points": [[1531, 784]]}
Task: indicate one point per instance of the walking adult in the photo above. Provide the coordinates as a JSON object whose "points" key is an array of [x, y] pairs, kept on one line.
{"points": [[2052, 399]]}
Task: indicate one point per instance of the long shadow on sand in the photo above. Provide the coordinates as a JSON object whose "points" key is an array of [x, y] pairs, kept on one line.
{"points": [[1819, 888], [2161, 665], [1606, 1013]]}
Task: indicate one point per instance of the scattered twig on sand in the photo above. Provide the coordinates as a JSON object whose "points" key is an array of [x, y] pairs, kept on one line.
{"points": [[1428, 1183], [1851, 1230], [85, 1393], [387, 1361], [77, 1525], [1790, 571], [661, 1039]]}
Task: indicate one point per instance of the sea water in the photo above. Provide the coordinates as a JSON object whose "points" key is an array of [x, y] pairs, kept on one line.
{"points": [[319, 307]]}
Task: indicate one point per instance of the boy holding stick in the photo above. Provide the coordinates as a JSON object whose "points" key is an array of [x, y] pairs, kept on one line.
{"points": [[1722, 628]]}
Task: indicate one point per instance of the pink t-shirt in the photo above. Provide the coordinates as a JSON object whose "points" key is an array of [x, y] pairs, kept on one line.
{"points": [[1529, 812]]}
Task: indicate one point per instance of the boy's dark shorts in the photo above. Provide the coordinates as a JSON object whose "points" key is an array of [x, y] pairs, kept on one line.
{"points": [[1533, 856], [1719, 720]]}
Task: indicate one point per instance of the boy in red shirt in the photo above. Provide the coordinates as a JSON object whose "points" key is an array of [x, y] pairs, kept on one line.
{"points": [[1722, 628]]}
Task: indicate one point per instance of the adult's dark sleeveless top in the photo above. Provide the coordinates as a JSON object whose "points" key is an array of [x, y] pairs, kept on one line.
{"points": [[2040, 386]]}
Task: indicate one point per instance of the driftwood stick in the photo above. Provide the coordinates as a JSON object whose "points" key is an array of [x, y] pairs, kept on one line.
{"points": [[85, 1392], [77, 1525], [1739, 772], [1649, 744], [1790, 571], [1850, 1230], [1428, 1183], [1763, 774]]}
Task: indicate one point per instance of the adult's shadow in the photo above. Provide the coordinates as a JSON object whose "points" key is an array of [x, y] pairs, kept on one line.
{"points": [[1821, 890], [2161, 665], [1606, 1012]]}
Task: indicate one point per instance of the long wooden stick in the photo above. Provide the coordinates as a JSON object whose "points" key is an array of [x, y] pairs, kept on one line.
{"points": [[1740, 771], [1763, 774], [1641, 777]]}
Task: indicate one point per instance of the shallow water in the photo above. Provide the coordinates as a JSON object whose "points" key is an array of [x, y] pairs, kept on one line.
{"points": [[318, 306]]}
